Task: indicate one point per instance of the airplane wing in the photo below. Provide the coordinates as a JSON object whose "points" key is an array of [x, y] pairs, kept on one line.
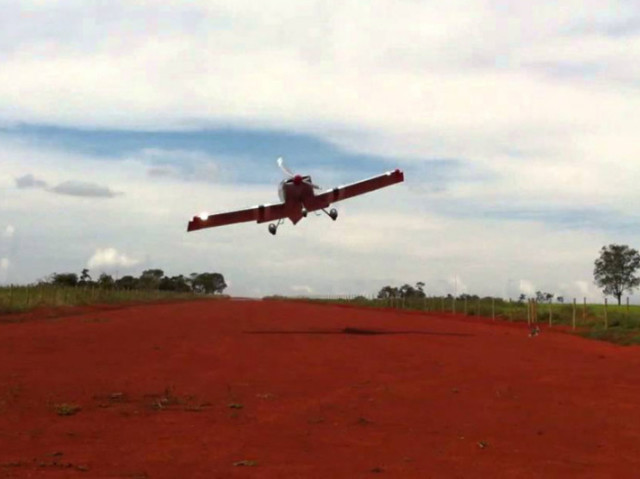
{"points": [[259, 214], [323, 200]]}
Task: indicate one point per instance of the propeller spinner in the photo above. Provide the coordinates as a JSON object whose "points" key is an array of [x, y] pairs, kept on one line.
{"points": [[297, 179]]}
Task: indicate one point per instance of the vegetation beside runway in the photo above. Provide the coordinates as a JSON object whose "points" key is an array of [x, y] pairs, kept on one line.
{"points": [[615, 323], [70, 289]]}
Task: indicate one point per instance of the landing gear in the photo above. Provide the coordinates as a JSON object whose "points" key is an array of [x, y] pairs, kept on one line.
{"points": [[304, 212], [332, 213], [273, 228]]}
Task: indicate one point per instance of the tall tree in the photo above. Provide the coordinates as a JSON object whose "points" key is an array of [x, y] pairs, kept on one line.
{"points": [[65, 279], [615, 270], [127, 282], [388, 292], [105, 281], [209, 283], [542, 297], [150, 278], [175, 283], [85, 278]]}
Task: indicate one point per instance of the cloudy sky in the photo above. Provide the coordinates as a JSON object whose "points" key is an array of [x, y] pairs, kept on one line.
{"points": [[515, 122]]}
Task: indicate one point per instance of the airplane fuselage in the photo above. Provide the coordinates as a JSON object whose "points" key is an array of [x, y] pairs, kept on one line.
{"points": [[298, 196]]}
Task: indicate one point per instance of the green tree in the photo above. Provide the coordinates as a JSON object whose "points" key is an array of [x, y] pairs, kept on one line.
{"points": [[105, 281], [542, 297], [85, 278], [127, 282], [65, 279], [615, 270], [388, 292], [175, 283], [150, 278], [208, 283]]}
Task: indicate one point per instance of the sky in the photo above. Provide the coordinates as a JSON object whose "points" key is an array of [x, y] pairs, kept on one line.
{"points": [[515, 124]]}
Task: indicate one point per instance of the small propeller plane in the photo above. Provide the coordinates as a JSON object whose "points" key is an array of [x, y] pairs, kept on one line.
{"points": [[298, 197]]}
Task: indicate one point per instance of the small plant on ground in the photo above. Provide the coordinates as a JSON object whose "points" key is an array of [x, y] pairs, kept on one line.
{"points": [[67, 409]]}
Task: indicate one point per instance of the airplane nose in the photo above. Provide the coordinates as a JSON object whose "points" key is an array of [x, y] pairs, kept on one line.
{"points": [[297, 180]]}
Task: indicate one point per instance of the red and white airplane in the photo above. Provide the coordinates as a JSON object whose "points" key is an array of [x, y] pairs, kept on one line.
{"points": [[298, 197]]}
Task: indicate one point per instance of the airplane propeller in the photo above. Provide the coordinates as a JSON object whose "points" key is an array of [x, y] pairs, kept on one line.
{"points": [[297, 179], [284, 168]]}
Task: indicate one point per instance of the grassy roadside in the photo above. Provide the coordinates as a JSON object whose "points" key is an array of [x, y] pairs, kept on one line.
{"points": [[18, 299], [617, 324]]}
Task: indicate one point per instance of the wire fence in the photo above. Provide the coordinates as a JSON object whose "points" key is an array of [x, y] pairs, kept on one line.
{"points": [[577, 313]]}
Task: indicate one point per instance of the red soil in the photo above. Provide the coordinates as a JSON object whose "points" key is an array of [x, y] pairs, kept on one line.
{"points": [[187, 390]]}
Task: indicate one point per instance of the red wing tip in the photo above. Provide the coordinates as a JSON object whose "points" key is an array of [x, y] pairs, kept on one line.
{"points": [[399, 173], [194, 224]]}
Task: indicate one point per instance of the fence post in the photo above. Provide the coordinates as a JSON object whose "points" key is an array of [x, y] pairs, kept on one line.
{"points": [[606, 316], [573, 322], [628, 311]]}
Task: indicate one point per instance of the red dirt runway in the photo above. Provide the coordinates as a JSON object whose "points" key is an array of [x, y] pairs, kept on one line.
{"points": [[217, 389]]}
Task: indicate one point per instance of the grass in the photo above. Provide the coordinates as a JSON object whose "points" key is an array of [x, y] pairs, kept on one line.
{"points": [[16, 299], [622, 322], [66, 409]]}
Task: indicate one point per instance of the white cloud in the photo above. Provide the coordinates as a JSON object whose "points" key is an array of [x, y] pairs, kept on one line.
{"points": [[69, 187], [83, 189], [30, 181], [456, 285], [181, 164], [302, 289], [9, 231], [4, 269], [110, 258], [527, 287]]}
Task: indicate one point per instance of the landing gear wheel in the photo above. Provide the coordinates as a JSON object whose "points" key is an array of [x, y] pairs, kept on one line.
{"points": [[304, 212], [333, 213], [273, 229]]}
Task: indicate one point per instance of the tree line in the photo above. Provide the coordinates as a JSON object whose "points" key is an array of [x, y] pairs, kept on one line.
{"points": [[150, 279], [404, 291], [615, 272]]}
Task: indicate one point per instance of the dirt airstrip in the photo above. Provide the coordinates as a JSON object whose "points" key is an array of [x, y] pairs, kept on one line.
{"points": [[224, 389]]}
